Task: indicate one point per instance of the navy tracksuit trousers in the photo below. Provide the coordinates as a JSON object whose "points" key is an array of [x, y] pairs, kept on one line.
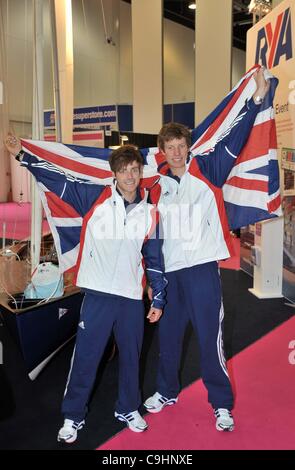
{"points": [[194, 294], [99, 316]]}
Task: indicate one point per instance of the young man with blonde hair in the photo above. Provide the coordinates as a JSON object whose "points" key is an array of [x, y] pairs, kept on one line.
{"points": [[196, 236]]}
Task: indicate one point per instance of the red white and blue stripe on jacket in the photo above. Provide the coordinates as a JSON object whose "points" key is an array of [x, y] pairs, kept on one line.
{"points": [[251, 190]]}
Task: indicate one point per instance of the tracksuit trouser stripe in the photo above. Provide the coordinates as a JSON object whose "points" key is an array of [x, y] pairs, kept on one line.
{"points": [[194, 294], [100, 315]]}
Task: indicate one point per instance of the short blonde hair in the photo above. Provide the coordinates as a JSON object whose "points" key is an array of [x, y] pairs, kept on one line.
{"points": [[173, 130]]}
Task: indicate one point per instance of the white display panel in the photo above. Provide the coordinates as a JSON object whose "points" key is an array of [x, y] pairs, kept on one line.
{"points": [[271, 43]]}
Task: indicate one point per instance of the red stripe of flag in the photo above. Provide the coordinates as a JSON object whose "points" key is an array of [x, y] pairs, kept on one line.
{"points": [[66, 162], [243, 183], [78, 136], [59, 208], [218, 121], [261, 139], [274, 204]]}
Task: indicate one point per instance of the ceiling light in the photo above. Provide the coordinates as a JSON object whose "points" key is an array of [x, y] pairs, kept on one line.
{"points": [[260, 7], [192, 6]]}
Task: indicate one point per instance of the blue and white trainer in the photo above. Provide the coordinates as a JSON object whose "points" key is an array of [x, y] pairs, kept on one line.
{"points": [[68, 433], [157, 402], [134, 421], [224, 419]]}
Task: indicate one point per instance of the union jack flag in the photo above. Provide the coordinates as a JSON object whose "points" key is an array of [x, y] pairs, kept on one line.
{"points": [[251, 192]]}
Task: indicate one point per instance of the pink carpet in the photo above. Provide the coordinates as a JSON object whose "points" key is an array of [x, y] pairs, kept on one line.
{"points": [[234, 261], [264, 382], [18, 220]]}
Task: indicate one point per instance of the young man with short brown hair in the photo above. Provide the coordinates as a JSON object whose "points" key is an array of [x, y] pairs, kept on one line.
{"points": [[119, 233], [196, 236]]}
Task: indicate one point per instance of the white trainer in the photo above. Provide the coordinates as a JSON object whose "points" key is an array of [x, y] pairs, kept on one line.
{"points": [[157, 402], [134, 421], [68, 433], [224, 420]]}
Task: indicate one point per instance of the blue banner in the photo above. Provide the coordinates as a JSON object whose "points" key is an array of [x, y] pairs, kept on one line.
{"points": [[97, 115]]}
